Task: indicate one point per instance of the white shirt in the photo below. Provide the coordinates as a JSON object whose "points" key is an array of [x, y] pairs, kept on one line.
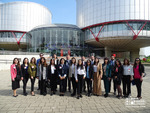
{"points": [[81, 72], [56, 62], [73, 67], [52, 69], [95, 68], [127, 70]]}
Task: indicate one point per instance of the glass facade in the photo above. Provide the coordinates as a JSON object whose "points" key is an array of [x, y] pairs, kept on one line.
{"points": [[9, 37], [119, 29], [56, 39]]}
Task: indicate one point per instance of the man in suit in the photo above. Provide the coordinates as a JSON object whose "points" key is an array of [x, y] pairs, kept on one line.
{"points": [[112, 63], [56, 64], [92, 60], [37, 64], [84, 64], [67, 63]]}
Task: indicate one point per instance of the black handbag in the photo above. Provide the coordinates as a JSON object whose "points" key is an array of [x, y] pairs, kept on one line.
{"points": [[48, 85], [18, 77]]}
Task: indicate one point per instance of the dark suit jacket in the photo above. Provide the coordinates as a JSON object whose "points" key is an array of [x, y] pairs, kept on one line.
{"points": [[108, 70], [49, 72], [90, 71], [119, 73], [62, 71], [24, 71]]}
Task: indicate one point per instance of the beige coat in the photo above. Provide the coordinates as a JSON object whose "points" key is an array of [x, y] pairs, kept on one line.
{"points": [[97, 80]]}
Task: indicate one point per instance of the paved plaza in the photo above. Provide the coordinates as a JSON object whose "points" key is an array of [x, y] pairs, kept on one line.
{"points": [[68, 104]]}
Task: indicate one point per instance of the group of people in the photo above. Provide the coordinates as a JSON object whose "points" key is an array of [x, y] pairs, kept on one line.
{"points": [[83, 74]]}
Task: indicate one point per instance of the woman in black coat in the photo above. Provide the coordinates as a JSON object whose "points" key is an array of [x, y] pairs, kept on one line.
{"points": [[89, 76], [25, 74], [118, 77], [52, 75]]}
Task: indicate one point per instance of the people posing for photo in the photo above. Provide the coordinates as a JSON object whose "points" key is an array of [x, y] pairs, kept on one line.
{"points": [[15, 69], [42, 75], [62, 72], [72, 74], [97, 76], [112, 63], [138, 76], [118, 77], [80, 76], [127, 76], [25, 74], [32, 70], [84, 64], [67, 62], [106, 75], [52, 75], [89, 77], [37, 64]]}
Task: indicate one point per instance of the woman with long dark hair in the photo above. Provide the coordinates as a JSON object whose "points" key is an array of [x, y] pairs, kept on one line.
{"points": [[118, 77], [81, 74], [42, 75], [25, 74], [126, 79], [89, 76], [106, 75], [72, 74], [138, 76], [52, 75], [32, 70], [15, 75], [97, 76], [62, 72]]}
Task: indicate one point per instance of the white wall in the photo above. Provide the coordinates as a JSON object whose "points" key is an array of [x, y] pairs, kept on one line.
{"points": [[6, 60], [145, 52]]}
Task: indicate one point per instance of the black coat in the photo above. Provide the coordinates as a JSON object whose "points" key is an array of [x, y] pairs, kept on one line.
{"points": [[119, 73], [62, 70], [90, 71], [141, 69], [49, 72], [24, 71]]}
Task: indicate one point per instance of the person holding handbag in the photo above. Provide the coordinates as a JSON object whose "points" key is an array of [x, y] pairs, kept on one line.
{"points": [[25, 74], [15, 69], [138, 69], [32, 70]]}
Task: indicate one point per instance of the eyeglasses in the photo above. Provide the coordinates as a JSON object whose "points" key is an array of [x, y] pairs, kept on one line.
{"points": [[137, 60]]}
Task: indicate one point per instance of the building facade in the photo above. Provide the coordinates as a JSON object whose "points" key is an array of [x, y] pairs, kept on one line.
{"points": [[115, 26], [61, 39], [16, 19]]}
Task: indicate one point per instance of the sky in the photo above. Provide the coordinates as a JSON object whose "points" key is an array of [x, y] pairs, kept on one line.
{"points": [[63, 11]]}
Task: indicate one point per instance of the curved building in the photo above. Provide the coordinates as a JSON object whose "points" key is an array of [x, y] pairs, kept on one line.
{"points": [[116, 26], [61, 39], [17, 18]]}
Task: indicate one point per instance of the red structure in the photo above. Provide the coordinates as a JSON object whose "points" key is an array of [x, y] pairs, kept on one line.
{"points": [[113, 22]]}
